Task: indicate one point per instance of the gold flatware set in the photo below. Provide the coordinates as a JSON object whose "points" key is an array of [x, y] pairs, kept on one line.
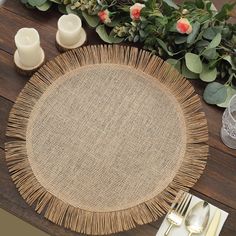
{"points": [[196, 219]]}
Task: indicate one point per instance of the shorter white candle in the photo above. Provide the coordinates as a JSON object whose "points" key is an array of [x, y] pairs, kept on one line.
{"points": [[69, 28], [28, 46]]}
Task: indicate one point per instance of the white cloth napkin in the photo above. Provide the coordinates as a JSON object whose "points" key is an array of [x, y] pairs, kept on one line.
{"points": [[182, 231]]}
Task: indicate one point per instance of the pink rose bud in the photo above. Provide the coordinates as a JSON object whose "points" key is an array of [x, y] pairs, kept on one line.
{"points": [[104, 16], [183, 26], [135, 11]]}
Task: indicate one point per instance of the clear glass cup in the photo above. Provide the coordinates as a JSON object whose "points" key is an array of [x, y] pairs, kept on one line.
{"points": [[228, 130]]}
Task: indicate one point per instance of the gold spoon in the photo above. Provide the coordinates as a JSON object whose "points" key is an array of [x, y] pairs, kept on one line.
{"points": [[197, 219]]}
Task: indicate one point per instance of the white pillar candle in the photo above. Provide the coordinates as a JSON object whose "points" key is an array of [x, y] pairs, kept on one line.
{"points": [[28, 46], [69, 28]]}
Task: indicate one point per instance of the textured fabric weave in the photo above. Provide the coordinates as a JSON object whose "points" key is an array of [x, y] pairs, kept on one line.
{"points": [[106, 137]]}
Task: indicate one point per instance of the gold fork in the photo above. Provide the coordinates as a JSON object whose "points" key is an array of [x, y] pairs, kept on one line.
{"points": [[178, 212]]}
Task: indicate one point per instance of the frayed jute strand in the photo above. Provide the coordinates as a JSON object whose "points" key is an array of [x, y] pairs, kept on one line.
{"points": [[100, 223]]}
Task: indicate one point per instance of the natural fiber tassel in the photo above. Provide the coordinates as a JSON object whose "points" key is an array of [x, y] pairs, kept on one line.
{"points": [[98, 223]]}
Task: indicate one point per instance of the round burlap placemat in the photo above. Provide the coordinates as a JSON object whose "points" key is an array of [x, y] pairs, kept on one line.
{"points": [[106, 137]]}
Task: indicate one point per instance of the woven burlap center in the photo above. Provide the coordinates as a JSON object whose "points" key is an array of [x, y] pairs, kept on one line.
{"points": [[103, 138], [106, 138]]}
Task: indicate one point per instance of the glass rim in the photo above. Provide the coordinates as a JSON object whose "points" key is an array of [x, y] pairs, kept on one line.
{"points": [[229, 107]]}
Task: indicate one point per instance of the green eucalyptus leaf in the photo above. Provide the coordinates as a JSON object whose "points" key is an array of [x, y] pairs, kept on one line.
{"points": [[151, 4], [172, 61], [229, 59], [35, 3], [199, 37], [142, 33], [202, 45], [210, 54], [163, 45], [215, 93], [213, 63], [211, 32], [113, 23], [200, 4], [163, 20], [45, 6], [56, 1], [173, 28], [210, 6], [230, 93], [136, 38], [101, 30], [191, 37], [175, 63], [180, 39], [193, 62], [91, 20], [215, 41], [234, 39], [204, 18], [62, 9], [205, 26], [69, 10], [171, 4], [115, 39], [187, 73], [208, 75]]}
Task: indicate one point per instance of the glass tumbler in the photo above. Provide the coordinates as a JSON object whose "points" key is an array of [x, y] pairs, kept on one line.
{"points": [[228, 130]]}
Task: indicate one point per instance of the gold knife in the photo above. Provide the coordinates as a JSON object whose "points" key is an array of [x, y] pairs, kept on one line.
{"points": [[211, 231]]}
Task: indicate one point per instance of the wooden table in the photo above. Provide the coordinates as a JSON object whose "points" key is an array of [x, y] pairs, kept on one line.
{"points": [[217, 185]]}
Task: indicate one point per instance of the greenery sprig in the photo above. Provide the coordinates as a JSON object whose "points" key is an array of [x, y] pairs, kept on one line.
{"points": [[193, 37]]}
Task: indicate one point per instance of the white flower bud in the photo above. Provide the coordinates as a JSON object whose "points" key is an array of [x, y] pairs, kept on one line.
{"points": [[185, 11]]}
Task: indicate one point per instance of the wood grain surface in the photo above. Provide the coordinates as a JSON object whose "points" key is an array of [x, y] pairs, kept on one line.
{"points": [[217, 185]]}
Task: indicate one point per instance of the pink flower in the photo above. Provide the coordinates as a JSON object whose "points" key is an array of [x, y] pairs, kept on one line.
{"points": [[183, 26], [135, 11], [104, 16]]}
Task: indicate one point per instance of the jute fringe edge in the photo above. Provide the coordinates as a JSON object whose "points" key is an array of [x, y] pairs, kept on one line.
{"points": [[100, 223]]}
